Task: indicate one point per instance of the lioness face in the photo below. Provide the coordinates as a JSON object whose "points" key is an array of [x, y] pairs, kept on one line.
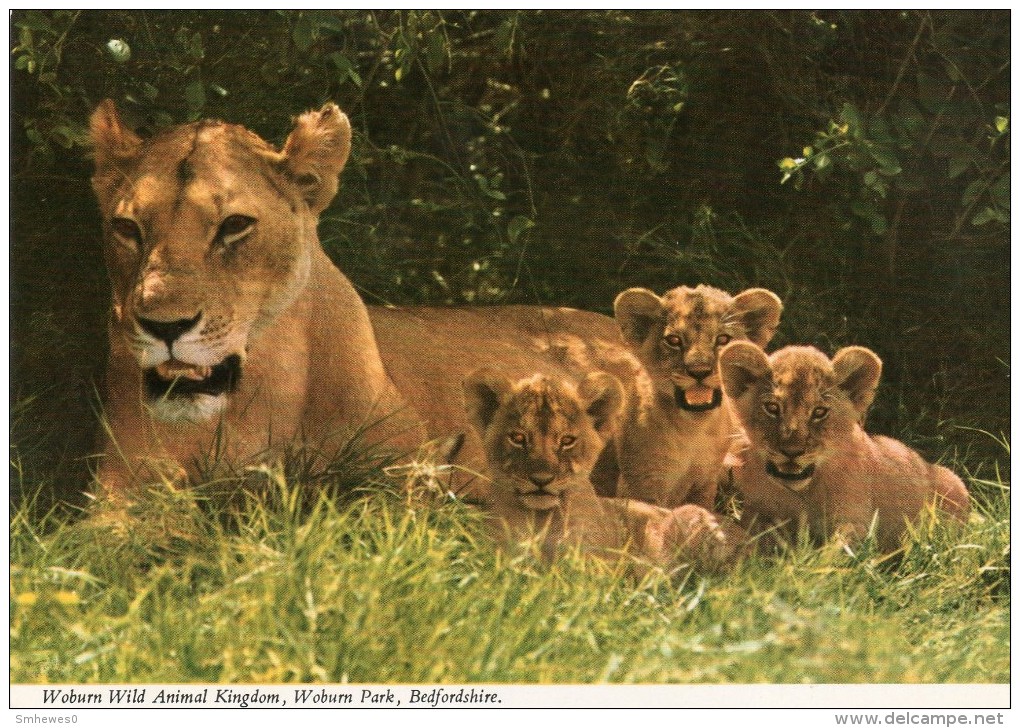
{"points": [[541, 436], [796, 405], [678, 337], [209, 234]]}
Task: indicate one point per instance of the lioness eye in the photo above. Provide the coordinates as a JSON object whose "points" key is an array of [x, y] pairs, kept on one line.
{"points": [[517, 439], [126, 229], [673, 341], [771, 409], [819, 413], [722, 339], [234, 228], [567, 442]]}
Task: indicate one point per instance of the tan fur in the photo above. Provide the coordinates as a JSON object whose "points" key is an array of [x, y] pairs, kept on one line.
{"points": [[669, 455], [541, 438], [267, 294], [809, 461]]}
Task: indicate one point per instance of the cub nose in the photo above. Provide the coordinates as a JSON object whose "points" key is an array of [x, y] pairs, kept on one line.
{"points": [[169, 331], [541, 479], [699, 373]]}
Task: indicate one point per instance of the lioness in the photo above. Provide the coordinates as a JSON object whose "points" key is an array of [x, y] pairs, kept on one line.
{"points": [[676, 430], [809, 461], [231, 332], [541, 438]]}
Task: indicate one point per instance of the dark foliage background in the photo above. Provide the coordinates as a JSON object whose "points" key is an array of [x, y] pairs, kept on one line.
{"points": [[855, 162]]}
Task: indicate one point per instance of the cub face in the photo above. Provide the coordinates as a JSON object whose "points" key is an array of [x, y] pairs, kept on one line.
{"points": [[541, 435], [796, 405], [677, 337]]}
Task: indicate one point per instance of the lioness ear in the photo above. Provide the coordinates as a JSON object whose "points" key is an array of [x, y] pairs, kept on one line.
{"points": [[113, 145], [760, 310], [602, 398], [857, 373], [484, 391], [315, 153], [637, 311], [741, 364]]}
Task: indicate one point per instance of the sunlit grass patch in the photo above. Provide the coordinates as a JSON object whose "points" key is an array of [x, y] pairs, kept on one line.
{"points": [[294, 584]]}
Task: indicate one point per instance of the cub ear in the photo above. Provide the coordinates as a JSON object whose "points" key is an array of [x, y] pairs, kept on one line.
{"points": [[113, 145], [637, 311], [760, 310], [315, 153], [602, 398], [484, 391], [741, 364], [857, 373]]}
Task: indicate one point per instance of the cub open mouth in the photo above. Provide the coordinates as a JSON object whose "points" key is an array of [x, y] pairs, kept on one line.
{"points": [[775, 472], [697, 398], [540, 499], [174, 379]]}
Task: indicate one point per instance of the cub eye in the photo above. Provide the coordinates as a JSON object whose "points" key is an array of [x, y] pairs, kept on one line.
{"points": [[819, 413], [126, 229], [771, 409], [234, 228], [517, 439], [722, 339], [672, 341], [567, 442]]}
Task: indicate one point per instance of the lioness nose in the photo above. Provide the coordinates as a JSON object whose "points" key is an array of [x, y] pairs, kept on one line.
{"points": [[541, 479], [791, 454], [169, 331]]}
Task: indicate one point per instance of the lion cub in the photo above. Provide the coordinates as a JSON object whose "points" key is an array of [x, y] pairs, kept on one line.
{"points": [[676, 430], [809, 461], [541, 437]]}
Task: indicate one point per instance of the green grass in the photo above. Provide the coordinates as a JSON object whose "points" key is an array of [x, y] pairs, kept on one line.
{"points": [[380, 587]]}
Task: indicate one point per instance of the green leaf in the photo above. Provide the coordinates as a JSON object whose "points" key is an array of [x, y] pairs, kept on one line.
{"points": [[35, 20], [970, 194], [149, 91], [930, 93], [435, 51], [958, 165], [878, 130], [304, 32], [851, 116], [21, 62], [1001, 124], [889, 165], [327, 19], [983, 217], [1000, 190], [196, 49], [64, 136], [346, 68], [911, 119], [484, 186], [194, 95], [518, 225]]}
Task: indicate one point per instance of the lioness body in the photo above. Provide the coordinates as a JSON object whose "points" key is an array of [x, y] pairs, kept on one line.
{"points": [[541, 437], [809, 462], [677, 430], [232, 333]]}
